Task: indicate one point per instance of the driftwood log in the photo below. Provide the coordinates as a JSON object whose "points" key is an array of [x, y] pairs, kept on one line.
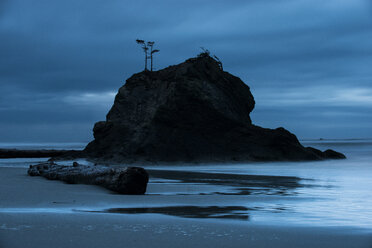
{"points": [[131, 181]]}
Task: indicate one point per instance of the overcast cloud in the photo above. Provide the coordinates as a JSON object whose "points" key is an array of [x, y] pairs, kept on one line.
{"points": [[308, 62]]}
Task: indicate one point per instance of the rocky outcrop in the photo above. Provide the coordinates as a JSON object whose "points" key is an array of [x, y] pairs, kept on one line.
{"points": [[191, 112], [131, 181], [327, 154]]}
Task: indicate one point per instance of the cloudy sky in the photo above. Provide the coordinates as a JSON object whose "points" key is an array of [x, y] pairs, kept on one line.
{"points": [[308, 62]]}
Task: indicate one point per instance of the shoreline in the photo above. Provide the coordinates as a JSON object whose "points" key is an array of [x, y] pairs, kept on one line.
{"points": [[263, 198], [181, 209]]}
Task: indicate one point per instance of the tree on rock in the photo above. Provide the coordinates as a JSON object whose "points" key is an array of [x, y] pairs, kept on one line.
{"points": [[145, 50], [151, 44], [146, 46]]}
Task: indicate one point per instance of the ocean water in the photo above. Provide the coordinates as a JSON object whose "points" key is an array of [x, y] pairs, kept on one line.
{"points": [[319, 193], [330, 193], [39, 146]]}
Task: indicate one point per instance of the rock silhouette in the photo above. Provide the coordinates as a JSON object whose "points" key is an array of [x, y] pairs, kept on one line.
{"points": [[191, 112]]}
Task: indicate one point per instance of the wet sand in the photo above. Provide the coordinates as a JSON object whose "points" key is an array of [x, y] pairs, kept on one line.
{"points": [[110, 230], [178, 211]]}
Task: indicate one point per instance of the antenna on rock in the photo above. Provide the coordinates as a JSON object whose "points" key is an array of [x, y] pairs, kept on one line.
{"points": [[146, 46]]}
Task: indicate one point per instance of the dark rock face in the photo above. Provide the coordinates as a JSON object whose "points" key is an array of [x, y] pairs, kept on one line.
{"points": [[328, 154], [191, 112], [333, 154], [130, 181]]}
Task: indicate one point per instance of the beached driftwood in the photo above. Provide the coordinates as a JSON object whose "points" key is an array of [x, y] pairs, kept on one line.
{"points": [[131, 180]]}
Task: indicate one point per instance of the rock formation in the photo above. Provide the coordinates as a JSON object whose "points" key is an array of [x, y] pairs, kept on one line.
{"points": [[130, 181], [191, 112]]}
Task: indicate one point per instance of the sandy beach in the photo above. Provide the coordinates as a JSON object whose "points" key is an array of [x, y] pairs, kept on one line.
{"points": [[35, 212]]}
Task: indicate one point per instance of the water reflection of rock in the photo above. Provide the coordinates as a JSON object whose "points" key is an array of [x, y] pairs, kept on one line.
{"points": [[238, 184], [215, 212]]}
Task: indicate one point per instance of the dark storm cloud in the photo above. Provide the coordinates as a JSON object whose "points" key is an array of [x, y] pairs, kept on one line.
{"points": [[62, 61]]}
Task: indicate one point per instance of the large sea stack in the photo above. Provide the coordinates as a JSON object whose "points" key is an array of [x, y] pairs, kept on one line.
{"points": [[191, 112]]}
